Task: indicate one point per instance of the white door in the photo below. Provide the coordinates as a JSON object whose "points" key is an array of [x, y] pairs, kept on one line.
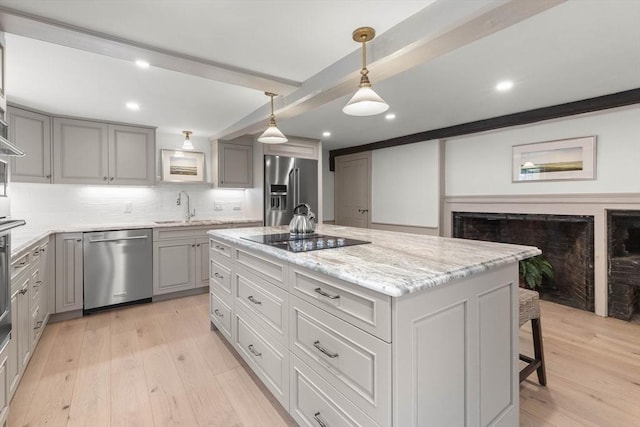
{"points": [[353, 190]]}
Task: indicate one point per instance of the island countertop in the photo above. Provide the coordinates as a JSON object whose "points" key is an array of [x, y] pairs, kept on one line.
{"points": [[393, 263]]}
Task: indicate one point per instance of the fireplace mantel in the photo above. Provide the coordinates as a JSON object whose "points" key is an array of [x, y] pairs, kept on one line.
{"points": [[595, 205]]}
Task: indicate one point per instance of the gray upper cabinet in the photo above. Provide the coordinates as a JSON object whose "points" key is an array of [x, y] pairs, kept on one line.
{"points": [[131, 155], [80, 152], [86, 152], [232, 165], [32, 133]]}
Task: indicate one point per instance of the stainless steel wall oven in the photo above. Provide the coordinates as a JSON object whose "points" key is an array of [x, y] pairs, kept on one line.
{"points": [[5, 278]]}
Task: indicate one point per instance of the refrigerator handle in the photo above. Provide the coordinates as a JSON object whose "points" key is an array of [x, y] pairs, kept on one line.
{"points": [[297, 186], [292, 190]]}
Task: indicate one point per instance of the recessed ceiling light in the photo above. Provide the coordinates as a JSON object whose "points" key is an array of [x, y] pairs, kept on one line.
{"points": [[326, 133], [133, 106], [390, 116], [142, 63], [504, 86]]}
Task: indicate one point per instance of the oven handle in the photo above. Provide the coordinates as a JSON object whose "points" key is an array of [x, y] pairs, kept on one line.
{"points": [[8, 225]]}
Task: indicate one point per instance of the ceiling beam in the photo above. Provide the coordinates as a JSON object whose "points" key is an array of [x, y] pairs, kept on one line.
{"points": [[48, 30], [438, 29], [605, 102]]}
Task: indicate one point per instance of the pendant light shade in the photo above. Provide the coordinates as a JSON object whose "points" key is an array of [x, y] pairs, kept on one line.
{"points": [[272, 135], [365, 102], [187, 145]]}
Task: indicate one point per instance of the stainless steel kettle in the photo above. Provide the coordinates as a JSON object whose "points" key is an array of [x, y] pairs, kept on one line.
{"points": [[302, 223]]}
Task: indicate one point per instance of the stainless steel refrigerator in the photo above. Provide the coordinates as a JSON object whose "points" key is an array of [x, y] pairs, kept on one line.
{"points": [[288, 182]]}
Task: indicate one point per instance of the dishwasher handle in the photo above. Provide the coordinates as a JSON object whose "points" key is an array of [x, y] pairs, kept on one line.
{"points": [[117, 239]]}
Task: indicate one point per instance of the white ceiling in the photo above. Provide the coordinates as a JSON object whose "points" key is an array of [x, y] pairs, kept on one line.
{"points": [[575, 50]]}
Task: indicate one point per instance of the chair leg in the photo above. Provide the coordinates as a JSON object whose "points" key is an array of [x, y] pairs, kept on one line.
{"points": [[538, 350]]}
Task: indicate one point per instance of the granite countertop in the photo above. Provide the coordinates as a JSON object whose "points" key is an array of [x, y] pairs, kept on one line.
{"points": [[394, 263], [24, 237]]}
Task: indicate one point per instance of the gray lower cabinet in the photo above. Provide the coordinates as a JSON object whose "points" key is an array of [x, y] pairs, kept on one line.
{"points": [[32, 133], [69, 272], [87, 152], [180, 264], [4, 389], [31, 275]]}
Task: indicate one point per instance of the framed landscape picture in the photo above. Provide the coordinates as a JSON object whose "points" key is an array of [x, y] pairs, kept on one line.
{"points": [[565, 159], [182, 166]]}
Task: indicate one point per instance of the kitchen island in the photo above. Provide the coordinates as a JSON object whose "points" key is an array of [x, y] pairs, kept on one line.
{"points": [[406, 330]]}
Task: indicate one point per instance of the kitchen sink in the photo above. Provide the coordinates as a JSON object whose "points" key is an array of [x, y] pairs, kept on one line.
{"points": [[192, 222]]}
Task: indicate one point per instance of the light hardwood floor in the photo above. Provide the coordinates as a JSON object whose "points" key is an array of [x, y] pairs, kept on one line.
{"points": [[160, 365]]}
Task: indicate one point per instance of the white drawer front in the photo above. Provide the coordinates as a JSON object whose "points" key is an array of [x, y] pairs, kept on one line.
{"points": [[269, 360], [220, 314], [220, 280], [356, 363], [270, 269], [366, 309], [267, 301], [315, 401], [220, 249]]}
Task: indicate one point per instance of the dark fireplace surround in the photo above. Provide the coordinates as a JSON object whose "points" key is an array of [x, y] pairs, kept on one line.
{"points": [[566, 241], [623, 235]]}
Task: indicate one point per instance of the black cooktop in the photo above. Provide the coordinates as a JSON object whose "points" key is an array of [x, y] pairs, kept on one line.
{"points": [[304, 242]]}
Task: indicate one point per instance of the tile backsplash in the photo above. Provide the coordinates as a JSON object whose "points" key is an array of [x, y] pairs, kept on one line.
{"points": [[44, 205]]}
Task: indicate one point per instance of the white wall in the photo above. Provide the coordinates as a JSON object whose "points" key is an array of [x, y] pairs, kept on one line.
{"points": [[405, 185], [481, 164]]}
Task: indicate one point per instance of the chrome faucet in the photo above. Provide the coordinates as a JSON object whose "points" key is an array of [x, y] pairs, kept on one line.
{"points": [[189, 214]]}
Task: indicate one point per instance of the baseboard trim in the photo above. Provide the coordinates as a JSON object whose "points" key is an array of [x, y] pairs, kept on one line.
{"points": [[180, 294]]}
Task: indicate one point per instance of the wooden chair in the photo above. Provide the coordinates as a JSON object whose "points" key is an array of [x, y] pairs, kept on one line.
{"points": [[530, 310]]}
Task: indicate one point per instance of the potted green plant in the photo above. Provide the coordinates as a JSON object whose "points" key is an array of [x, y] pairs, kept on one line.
{"points": [[534, 270]]}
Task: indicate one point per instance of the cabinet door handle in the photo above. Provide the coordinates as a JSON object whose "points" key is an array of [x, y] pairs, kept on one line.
{"points": [[253, 350], [218, 275], [363, 210], [104, 178], [198, 245], [111, 179], [217, 313], [253, 300], [317, 345], [23, 291], [319, 420], [38, 325], [324, 294], [193, 246], [48, 176]]}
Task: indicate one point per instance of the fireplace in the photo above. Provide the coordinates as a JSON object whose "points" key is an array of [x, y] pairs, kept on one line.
{"points": [[623, 232], [566, 241]]}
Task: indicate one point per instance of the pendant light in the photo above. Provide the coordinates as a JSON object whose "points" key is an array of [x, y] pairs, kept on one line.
{"points": [[365, 102], [272, 135], [187, 145]]}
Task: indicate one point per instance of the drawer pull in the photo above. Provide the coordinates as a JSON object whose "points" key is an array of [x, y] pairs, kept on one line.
{"points": [[324, 294], [317, 345], [319, 420], [253, 300], [218, 275], [253, 350], [20, 265], [217, 313], [38, 325], [23, 291], [220, 248]]}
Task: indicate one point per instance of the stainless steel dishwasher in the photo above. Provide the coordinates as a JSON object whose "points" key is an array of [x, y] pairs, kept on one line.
{"points": [[117, 267]]}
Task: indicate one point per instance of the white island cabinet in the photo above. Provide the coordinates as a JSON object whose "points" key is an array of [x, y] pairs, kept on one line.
{"points": [[406, 330]]}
